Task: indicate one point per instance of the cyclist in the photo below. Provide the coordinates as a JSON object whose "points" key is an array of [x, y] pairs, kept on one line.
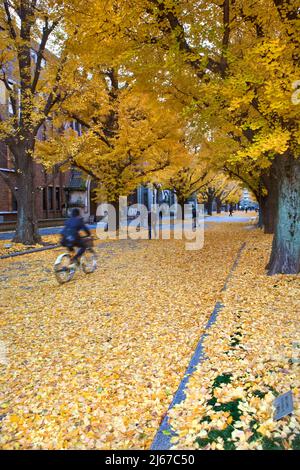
{"points": [[71, 237]]}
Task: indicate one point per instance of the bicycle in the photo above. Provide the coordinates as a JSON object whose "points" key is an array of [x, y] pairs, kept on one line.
{"points": [[88, 263]]}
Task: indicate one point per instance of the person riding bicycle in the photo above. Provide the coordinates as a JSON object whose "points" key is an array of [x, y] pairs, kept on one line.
{"points": [[71, 237]]}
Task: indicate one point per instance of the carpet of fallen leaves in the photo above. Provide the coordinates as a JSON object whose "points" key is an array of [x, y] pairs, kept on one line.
{"points": [[8, 248], [252, 352], [94, 364]]}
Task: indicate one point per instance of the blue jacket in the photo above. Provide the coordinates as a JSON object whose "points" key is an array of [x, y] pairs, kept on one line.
{"points": [[72, 228]]}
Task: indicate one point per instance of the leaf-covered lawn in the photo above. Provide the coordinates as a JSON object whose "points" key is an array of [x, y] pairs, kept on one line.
{"points": [[252, 348]]}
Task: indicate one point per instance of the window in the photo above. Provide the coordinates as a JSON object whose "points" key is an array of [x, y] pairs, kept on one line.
{"points": [[44, 199], [57, 198], [50, 198]]}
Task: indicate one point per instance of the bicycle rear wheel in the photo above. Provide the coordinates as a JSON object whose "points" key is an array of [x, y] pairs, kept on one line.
{"points": [[62, 270], [88, 261]]}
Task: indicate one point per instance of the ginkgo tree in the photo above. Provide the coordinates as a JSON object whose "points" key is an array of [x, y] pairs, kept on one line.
{"points": [[242, 64], [189, 179], [67, 60], [221, 190], [233, 66], [38, 75], [128, 138]]}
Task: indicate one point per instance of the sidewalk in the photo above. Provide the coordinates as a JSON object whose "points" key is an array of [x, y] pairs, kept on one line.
{"points": [[132, 223]]}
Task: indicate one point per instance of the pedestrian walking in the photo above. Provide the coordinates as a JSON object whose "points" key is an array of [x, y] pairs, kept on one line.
{"points": [[194, 215]]}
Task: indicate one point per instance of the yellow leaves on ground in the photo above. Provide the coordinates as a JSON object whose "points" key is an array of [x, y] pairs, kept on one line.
{"points": [[7, 247], [94, 364], [251, 349]]}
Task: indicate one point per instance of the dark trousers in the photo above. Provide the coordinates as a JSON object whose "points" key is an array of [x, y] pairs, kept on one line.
{"points": [[82, 248]]}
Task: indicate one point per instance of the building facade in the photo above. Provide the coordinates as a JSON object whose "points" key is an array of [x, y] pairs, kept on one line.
{"points": [[50, 194], [50, 191]]}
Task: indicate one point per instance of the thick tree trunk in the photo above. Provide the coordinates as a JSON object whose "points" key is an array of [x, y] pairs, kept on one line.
{"points": [[27, 227], [285, 256], [269, 213]]}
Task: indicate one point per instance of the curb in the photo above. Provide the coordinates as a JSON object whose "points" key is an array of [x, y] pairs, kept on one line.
{"points": [[162, 439], [35, 250]]}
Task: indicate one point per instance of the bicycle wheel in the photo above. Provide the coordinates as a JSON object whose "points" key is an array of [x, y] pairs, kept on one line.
{"points": [[88, 261], [62, 270]]}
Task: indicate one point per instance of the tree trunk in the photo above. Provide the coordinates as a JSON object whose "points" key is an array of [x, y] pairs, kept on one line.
{"points": [[262, 212], [269, 203], [219, 205], [27, 227], [285, 256], [210, 205], [269, 213], [116, 205], [180, 203]]}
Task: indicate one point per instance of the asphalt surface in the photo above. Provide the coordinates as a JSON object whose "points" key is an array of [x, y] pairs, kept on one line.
{"points": [[208, 219]]}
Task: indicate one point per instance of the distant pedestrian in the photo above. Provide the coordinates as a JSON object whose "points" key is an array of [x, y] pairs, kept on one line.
{"points": [[230, 210], [194, 215]]}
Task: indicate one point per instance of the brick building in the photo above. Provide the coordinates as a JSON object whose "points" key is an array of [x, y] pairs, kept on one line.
{"points": [[51, 194]]}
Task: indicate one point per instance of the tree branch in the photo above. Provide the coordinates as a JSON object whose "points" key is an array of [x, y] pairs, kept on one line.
{"points": [[199, 65], [88, 126], [45, 36], [12, 31], [243, 179]]}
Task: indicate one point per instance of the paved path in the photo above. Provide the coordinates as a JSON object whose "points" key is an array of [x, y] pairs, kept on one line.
{"points": [[227, 218], [162, 439], [55, 230]]}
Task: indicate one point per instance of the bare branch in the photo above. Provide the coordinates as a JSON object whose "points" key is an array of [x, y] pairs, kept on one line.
{"points": [[12, 31]]}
